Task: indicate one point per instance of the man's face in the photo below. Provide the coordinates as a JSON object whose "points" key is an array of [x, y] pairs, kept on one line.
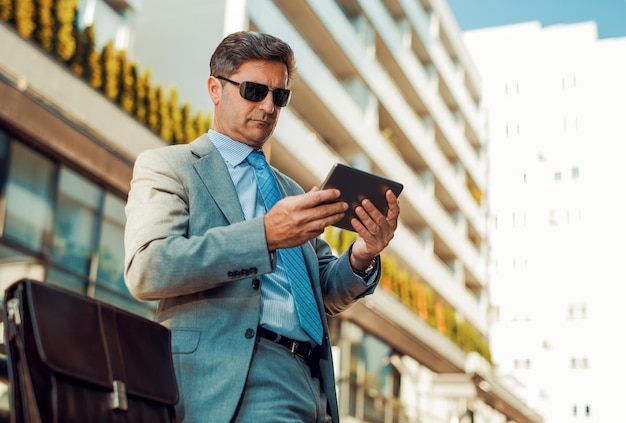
{"points": [[251, 123]]}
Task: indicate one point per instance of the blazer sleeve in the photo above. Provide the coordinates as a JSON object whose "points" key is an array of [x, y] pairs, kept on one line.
{"points": [[177, 239], [339, 287]]}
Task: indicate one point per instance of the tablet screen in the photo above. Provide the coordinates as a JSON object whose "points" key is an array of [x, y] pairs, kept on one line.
{"points": [[356, 185]]}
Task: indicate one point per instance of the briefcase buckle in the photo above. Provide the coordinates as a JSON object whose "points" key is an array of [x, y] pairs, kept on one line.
{"points": [[118, 400]]}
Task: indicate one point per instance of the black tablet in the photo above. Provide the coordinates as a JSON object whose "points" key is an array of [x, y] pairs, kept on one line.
{"points": [[356, 185]]}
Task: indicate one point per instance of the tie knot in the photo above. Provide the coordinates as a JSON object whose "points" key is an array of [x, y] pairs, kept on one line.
{"points": [[257, 159]]}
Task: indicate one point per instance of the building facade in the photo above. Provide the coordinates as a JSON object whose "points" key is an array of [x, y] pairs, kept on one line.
{"points": [[386, 86], [555, 101]]}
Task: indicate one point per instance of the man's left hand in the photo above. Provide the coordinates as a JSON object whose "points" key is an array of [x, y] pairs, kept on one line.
{"points": [[375, 230]]}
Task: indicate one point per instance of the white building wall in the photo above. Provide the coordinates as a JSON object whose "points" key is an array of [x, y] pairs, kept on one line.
{"points": [[555, 102], [175, 40]]}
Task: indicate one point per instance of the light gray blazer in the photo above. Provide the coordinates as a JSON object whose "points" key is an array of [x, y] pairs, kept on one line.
{"points": [[188, 246]]}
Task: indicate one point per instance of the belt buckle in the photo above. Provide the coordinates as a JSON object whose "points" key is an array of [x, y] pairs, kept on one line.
{"points": [[294, 346], [305, 353]]}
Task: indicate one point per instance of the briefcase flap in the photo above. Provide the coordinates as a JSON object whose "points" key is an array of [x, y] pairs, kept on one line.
{"points": [[97, 343]]}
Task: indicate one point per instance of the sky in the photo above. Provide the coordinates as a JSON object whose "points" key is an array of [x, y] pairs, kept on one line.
{"points": [[609, 15]]}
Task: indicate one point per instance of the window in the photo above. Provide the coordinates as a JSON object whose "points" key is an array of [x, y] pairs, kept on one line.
{"points": [[579, 363], [512, 130], [521, 363], [511, 88], [58, 226], [76, 216], [29, 198], [4, 165], [15, 265], [577, 311], [372, 388], [110, 285], [587, 410], [110, 256]]}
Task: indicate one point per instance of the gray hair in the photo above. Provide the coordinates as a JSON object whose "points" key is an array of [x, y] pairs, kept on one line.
{"points": [[244, 46]]}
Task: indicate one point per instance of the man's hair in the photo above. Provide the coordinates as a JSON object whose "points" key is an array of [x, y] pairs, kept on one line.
{"points": [[244, 46]]}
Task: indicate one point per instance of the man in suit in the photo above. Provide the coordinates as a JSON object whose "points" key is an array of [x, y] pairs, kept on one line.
{"points": [[203, 239]]}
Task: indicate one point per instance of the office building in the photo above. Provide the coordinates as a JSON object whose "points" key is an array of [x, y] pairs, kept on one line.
{"points": [[555, 100], [386, 86]]}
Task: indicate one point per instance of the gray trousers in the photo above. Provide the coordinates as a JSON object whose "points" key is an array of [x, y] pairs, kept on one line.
{"points": [[280, 389]]}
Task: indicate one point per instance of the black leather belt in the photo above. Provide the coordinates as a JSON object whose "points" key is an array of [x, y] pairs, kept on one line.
{"points": [[302, 349]]}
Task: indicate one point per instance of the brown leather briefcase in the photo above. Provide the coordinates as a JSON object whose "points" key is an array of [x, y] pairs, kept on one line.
{"points": [[73, 359]]}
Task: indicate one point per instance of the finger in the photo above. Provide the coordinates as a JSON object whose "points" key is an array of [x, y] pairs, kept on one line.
{"points": [[393, 204], [362, 231], [316, 196], [373, 214], [372, 222]]}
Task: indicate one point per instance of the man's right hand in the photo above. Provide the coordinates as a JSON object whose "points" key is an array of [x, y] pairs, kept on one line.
{"points": [[296, 219]]}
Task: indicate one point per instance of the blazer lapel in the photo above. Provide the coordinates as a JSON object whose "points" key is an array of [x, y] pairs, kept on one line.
{"points": [[214, 175]]}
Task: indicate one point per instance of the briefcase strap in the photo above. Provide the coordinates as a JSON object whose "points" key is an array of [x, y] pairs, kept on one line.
{"points": [[30, 409]]}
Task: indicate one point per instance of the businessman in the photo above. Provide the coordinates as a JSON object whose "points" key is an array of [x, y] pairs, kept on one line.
{"points": [[230, 249]]}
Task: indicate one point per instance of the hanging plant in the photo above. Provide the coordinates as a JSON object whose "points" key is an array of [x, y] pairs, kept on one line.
{"points": [[66, 33], [24, 14]]}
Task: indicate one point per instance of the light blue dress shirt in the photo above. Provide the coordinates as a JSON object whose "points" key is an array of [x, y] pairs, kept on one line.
{"points": [[278, 311]]}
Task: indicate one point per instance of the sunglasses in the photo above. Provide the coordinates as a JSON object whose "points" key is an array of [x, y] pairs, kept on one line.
{"points": [[252, 91]]}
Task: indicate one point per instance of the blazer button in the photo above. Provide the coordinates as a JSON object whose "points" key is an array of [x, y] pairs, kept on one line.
{"points": [[249, 333], [256, 283]]}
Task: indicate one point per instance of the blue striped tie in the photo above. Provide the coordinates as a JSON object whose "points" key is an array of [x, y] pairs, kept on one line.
{"points": [[291, 257]]}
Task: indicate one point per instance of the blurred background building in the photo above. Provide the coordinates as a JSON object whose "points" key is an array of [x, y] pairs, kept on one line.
{"points": [[556, 105], [387, 86]]}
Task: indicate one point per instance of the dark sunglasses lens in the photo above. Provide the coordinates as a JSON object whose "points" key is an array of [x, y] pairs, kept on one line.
{"points": [[252, 91], [281, 97]]}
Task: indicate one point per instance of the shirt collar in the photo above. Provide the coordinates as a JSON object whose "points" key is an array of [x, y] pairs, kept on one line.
{"points": [[233, 152]]}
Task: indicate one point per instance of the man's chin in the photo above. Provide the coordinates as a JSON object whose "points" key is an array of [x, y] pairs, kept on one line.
{"points": [[261, 133]]}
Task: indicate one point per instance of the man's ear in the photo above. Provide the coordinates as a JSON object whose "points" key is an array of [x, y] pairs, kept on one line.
{"points": [[214, 86]]}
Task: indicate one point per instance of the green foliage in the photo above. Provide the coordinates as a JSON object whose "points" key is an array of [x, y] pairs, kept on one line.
{"points": [[52, 24], [430, 307], [66, 31], [189, 132], [176, 117], [7, 13], [164, 114], [128, 92], [85, 41], [154, 103], [24, 17], [202, 123], [142, 83], [94, 64], [44, 33], [110, 72]]}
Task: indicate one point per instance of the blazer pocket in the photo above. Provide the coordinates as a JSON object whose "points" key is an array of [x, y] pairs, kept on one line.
{"points": [[185, 341]]}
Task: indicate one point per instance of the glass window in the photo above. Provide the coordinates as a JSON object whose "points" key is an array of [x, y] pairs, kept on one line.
{"points": [[375, 355], [4, 162], [15, 265], [67, 280], [29, 196], [110, 277], [75, 222], [373, 391], [111, 248]]}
